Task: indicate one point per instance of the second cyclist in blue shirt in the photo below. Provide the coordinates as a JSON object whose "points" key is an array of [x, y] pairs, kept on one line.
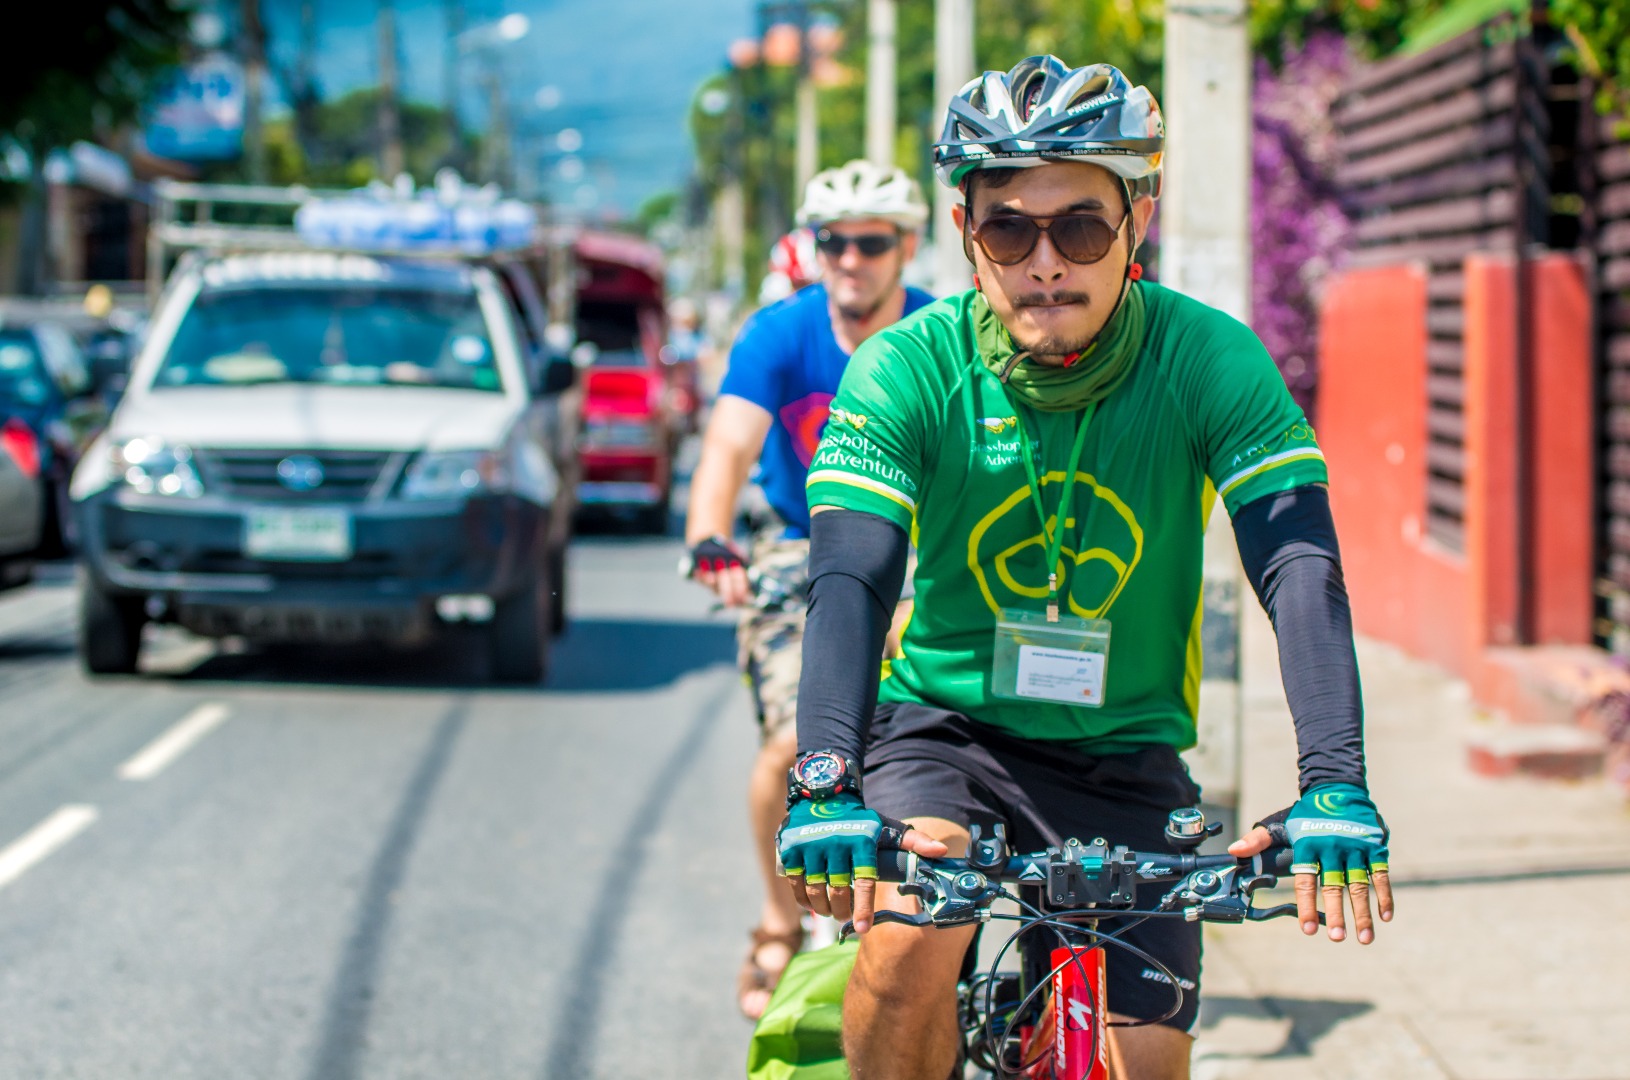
{"points": [[772, 407]]}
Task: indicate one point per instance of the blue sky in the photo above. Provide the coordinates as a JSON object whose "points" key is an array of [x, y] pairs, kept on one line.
{"points": [[625, 70]]}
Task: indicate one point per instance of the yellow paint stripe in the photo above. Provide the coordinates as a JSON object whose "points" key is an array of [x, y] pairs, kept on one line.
{"points": [[1274, 462], [832, 476]]}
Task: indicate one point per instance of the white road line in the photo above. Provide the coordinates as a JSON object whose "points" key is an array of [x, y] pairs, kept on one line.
{"points": [[173, 743], [44, 838]]}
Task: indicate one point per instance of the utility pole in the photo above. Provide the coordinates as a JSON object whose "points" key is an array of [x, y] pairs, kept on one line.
{"points": [[498, 149], [252, 46], [881, 93], [305, 91], [809, 132], [1205, 209], [953, 67], [391, 160], [453, 80], [1205, 252]]}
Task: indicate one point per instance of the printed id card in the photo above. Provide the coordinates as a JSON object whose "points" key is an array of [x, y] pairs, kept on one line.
{"points": [[1064, 661]]}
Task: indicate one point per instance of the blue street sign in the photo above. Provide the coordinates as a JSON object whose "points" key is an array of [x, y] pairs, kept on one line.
{"points": [[198, 116]]}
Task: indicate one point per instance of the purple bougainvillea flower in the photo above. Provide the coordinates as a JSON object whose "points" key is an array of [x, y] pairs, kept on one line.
{"points": [[1299, 228]]}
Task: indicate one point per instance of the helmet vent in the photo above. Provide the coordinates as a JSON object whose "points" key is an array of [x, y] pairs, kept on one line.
{"points": [[1090, 89], [1027, 81]]}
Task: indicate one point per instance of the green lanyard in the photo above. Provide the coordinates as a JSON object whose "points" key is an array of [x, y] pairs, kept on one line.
{"points": [[1055, 536]]}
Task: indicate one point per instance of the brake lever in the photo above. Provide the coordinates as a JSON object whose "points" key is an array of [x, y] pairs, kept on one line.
{"points": [[922, 918], [1257, 914]]}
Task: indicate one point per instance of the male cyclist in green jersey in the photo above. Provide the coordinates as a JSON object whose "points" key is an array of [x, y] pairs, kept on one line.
{"points": [[1054, 441]]}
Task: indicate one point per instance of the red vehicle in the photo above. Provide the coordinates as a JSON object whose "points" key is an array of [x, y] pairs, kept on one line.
{"points": [[636, 405]]}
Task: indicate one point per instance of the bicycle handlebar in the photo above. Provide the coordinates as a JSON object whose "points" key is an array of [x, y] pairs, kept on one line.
{"points": [[1095, 876], [1033, 869]]}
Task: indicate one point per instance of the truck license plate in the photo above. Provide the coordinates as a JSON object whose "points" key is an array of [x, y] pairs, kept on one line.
{"points": [[309, 533]]}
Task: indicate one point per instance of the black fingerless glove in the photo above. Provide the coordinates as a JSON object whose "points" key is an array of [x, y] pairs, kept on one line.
{"points": [[713, 555]]}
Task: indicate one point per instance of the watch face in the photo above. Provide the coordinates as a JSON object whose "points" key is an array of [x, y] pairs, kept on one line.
{"points": [[820, 771]]}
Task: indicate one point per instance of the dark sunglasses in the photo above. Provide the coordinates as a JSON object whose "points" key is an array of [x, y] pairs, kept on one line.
{"points": [[871, 245], [1008, 239]]}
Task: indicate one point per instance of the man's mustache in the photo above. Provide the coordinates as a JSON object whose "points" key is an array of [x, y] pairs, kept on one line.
{"points": [[1039, 299]]}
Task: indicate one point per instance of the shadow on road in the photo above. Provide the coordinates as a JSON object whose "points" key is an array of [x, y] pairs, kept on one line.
{"points": [[1310, 1018], [615, 655], [34, 648], [595, 656]]}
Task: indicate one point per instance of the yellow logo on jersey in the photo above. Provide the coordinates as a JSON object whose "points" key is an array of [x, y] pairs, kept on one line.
{"points": [[854, 420], [998, 424], [1090, 579]]}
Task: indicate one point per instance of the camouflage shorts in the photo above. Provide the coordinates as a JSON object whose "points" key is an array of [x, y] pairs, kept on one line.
{"points": [[770, 636]]}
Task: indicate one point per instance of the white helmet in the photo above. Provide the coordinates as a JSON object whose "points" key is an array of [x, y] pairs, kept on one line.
{"points": [[861, 189]]}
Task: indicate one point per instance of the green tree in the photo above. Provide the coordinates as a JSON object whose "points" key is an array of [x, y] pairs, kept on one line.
{"points": [[1598, 33], [344, 144], [77, 69]]}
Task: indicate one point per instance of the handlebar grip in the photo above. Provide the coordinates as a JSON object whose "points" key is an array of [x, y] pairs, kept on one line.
{"points": [[891, 864], [1277, 861]]}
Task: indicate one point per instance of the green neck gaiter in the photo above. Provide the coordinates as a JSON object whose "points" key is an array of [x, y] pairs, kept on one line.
{"points": [[1050, 388]]}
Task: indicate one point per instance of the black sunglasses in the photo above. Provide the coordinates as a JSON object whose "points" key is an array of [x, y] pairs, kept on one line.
{"points": [[1008, 239], [871, 245]]}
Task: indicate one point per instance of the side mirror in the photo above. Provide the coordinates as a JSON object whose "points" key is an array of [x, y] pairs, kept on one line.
{"points": [[557, 374], [110, 366]]}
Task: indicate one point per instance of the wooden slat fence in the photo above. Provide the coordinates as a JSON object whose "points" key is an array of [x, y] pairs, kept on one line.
{"points": [[1611, 243], [1442, 154]]}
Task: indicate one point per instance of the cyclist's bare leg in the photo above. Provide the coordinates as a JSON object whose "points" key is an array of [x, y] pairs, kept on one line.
{"points": [[899, 1012], [767, 805], [1156, 1052]]}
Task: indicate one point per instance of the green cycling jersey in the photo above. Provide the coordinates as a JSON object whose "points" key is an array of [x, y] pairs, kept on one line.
{"points": [[924, 435]]}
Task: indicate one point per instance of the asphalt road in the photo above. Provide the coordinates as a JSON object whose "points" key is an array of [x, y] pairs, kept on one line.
{"points": [[318, 866]]}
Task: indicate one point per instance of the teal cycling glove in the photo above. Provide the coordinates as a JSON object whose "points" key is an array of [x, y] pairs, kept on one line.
{"points": [[1335, 831], [832, 841]]}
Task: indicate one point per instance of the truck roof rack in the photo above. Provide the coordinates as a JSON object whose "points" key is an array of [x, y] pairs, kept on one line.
{"points": [[188, 217]]}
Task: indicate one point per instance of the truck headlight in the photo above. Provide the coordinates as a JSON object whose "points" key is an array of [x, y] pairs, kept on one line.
{"points": [[455, 474], [152, 467]]}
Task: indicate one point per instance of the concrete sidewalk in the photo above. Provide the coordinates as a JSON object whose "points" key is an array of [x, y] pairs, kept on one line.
{"points": [[1509, 956]]}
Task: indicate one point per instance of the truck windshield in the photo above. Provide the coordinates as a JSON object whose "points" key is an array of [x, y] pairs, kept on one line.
{"points": [[346, 335]]}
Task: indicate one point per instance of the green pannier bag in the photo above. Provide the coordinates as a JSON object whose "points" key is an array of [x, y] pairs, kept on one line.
{"points": [[798, 1037]]}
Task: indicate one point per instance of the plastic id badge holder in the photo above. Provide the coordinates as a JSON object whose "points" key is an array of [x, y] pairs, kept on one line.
{"points": [[1064, 661]]}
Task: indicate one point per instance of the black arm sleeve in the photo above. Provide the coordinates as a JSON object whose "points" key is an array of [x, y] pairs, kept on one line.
{"points": [[857, 565], [1288, 545]]}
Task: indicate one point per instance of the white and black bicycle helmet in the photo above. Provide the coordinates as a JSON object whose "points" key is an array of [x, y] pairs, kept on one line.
{"points": [[861, 189], [1043, 110]]}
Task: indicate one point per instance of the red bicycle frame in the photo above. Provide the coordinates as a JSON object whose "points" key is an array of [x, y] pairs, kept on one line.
{"points": [[1071, 1039]]}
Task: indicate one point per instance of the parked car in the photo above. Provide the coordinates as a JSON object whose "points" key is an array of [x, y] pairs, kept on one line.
{"points": [[22, 503], [632, 398], [45, 384], [335, 446]]}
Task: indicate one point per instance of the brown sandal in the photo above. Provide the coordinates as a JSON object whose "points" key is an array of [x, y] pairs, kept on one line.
{"points": [[754, 976]]}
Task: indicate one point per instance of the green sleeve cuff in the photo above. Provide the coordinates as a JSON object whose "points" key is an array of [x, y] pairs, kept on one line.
{"points": [[848, 491], [1293, 468]]}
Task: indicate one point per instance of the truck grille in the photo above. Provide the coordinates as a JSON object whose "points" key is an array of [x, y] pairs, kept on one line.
{"points": [[345, 475]]}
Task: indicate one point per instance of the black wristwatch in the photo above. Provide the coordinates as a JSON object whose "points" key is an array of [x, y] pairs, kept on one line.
{"points": [[822, 774]]}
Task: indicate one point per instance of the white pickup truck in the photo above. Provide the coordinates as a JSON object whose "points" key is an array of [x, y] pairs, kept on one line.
{"points": [[324, 446]]}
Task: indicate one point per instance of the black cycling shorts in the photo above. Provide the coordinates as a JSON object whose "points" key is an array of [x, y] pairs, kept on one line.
{"points": [[927, 762]]}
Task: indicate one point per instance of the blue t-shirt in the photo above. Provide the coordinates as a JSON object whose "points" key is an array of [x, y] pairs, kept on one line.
{"points": [[787, 362]]}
